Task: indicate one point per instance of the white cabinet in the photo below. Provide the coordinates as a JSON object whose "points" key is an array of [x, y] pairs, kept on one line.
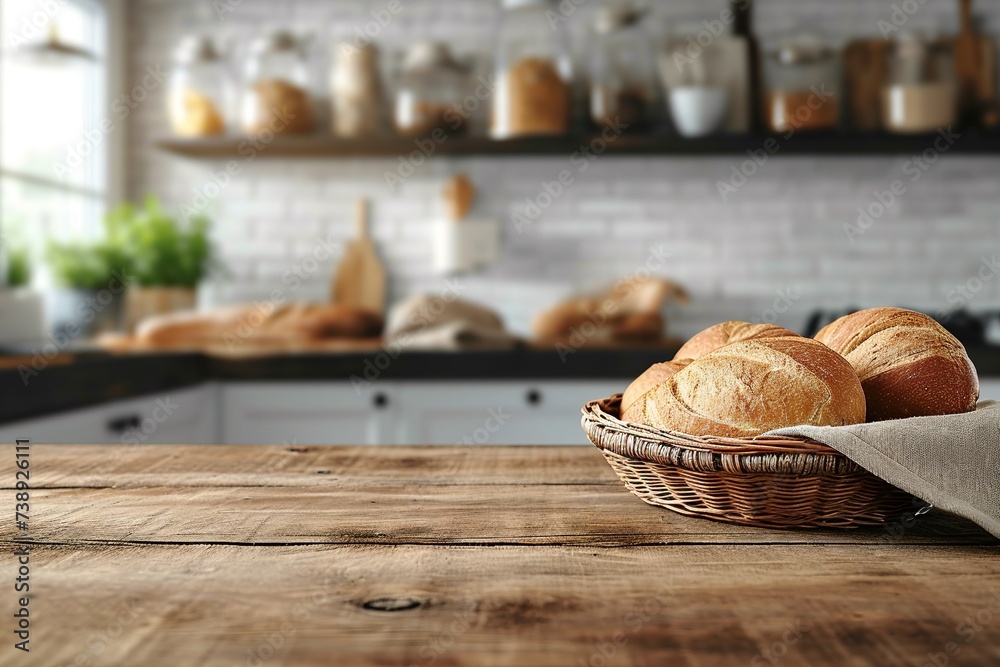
{"points": [[497, 413], [182, 416], [333, 412], [308, 413], [989, 389], [395, 413]]}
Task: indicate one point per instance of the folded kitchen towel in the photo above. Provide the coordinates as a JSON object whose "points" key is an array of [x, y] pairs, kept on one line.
{"points": [[425, 322], [952, 461]]}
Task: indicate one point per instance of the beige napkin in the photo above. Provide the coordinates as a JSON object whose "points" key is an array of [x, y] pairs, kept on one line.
{"points": [[425, 322], [952, 462]]}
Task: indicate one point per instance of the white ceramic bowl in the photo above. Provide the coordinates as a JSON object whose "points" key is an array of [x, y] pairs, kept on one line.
{"points": [[698, 110]]}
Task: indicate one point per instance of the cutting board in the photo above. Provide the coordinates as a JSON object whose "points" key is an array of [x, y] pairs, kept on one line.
{"points": [[360, 278], [975, 66]]}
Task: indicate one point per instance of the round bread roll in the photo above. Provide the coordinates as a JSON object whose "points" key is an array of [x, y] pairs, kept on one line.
{"points": [[654, 375], [734, 331], [909, 365], [747, 388]]}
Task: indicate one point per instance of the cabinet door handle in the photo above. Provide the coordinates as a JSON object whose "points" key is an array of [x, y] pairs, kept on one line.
{"points": [[121, 424], [534, 397], [380, 400]]}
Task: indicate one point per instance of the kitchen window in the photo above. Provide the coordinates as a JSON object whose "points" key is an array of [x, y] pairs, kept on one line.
{"points": [[59, 141]]}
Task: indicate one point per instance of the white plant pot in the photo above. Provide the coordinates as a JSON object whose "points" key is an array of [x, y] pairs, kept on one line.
{"points": [[22, 316]]}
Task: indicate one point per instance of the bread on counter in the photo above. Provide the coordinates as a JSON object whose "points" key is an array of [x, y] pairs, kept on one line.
{"points": [[259, 325], [750, 387], [909, 365], [628, 312], [724, 333]]}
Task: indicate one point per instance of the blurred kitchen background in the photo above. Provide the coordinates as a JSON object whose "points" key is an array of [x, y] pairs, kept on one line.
{"points": [[784, 161]]}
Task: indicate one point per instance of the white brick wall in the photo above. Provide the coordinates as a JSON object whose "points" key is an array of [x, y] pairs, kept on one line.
{"points": [[782, 231]]}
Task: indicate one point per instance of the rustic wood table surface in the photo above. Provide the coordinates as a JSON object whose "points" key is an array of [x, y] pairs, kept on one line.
{"points": [[528, 556]]}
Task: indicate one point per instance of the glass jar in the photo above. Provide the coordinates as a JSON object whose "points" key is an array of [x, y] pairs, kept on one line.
{"points": [[200, 96], [430, 92], [803, 81], [276, 97], [921, 94], [356, 91], [532, 73], [706, 86], [622, 70]]}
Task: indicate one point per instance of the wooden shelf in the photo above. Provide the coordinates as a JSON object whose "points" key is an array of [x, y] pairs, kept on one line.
{"points": [[816, 144]]}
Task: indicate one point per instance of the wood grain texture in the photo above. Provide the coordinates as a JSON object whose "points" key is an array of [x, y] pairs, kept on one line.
{"points": [[310, 556], [293, 494], [208, 606]]}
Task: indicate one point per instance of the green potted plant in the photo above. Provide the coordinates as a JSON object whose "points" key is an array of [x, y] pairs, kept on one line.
{"points": [[18, 268], [90, 280], [167, 258], [21, 309]]}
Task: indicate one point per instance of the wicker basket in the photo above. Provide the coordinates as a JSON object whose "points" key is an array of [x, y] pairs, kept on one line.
{"points": [[772, 482]]}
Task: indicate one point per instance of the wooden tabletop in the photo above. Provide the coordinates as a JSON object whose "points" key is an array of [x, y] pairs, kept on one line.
{"points": [[523, 556]]}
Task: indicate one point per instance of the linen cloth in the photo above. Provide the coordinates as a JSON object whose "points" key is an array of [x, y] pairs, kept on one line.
{"points": [[951, 461]]}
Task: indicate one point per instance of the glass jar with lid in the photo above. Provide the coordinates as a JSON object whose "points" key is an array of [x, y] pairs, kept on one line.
{"points": [[921, 94], [532, 73], [803, 80], [356, 91], [430, 91], [622, 69], [276, 97], [200, 96]]}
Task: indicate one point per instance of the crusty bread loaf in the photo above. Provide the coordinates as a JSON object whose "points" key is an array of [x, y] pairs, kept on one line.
{"points": [[261, 324], [653, 376], [734, 331], [747, 388], [909, 365], [566, 325], [629, 311]]}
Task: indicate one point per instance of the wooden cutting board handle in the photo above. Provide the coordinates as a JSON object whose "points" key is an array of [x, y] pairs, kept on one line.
{"points": [[967, 61], [965, 17], [361, 219]]}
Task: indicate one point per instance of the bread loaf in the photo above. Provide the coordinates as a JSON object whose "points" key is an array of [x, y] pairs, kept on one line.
{"points": [[725, 333], [261, 324], [631, 310], [653, 376], [909, 365], [747, 388]]}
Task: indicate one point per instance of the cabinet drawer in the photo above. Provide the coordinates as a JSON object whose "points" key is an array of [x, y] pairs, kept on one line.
{"points": [[497, 413], [185, 416], [310, 413]]}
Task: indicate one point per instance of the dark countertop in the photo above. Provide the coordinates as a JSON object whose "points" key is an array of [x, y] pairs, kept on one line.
{"points": [[92, 378]]}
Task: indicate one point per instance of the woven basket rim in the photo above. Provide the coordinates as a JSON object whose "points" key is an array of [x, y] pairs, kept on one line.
{"points": [[761, 454]]}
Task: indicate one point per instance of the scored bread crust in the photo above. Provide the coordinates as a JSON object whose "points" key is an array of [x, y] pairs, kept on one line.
{"points": [[651, 377], [724, 333], [909, 365], [747, 388]]}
